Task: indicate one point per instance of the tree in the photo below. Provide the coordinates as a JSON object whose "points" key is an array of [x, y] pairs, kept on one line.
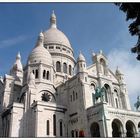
{"points": [[132, 11]]}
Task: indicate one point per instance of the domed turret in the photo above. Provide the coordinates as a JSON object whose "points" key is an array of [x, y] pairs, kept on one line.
{"points": [[81, 63], [17, 68], [81, 57], [17, 65], [39, 53]]}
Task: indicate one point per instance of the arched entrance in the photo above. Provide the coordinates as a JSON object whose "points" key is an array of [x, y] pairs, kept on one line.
{"points": [[130, 128], [117, 128], [95, 130], [139, 129]]}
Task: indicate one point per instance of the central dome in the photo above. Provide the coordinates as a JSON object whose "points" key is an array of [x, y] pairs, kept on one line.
{"points": [[53, 35]]}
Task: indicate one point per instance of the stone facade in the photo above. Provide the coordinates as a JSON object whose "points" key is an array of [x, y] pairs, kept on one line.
{"points": [[55, 95]]}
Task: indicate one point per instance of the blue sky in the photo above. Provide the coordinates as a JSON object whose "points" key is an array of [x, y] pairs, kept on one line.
{"points": [[89, 27]]}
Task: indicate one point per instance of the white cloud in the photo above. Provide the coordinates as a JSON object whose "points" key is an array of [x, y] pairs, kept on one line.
{"points": [[130, 67], [12, 41], [120, 55]]}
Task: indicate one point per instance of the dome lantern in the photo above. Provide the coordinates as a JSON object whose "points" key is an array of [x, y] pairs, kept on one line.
{"points": [[53, 20], [40, 40]]}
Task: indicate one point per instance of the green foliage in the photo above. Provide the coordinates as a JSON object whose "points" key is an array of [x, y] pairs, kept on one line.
{"points": [[132, 11]]}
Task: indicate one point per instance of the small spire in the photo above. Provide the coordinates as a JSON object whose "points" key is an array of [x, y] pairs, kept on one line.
{"points": [[118, 70], [41, 34], [81, 57], [53, 14], [18, 56], [17, 66], [53, 20]]}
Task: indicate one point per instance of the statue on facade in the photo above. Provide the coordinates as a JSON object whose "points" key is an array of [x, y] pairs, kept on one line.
{"points": [[99, 93], [137, 104]]}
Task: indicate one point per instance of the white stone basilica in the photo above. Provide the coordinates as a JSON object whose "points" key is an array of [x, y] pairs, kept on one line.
{"points": [[56, 96]]}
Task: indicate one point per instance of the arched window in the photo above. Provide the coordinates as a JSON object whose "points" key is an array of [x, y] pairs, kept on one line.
{"points": [[92, 86], [48, 127], [33, 71], [116, 98], [85, 79], [73, 96], [36, 73], [70, 70], [44, 74], [61, 128], [48, 75], [54, 125], [76, 95], [64, 67], [58, 66]]}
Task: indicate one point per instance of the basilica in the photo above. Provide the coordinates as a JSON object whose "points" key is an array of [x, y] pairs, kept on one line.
{"points": [[56, 95]]}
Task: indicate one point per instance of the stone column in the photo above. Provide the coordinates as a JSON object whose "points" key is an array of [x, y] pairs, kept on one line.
{"points": [[124, 133], [40, 71]]}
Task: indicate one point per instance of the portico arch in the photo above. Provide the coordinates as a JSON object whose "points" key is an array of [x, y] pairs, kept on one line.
{"points": [[117, 128], [130, 129], [95, 130], [139, 129]]}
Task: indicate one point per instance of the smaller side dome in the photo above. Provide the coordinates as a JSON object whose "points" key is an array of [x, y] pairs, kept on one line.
{"points": [[39, 53], [81, 57]]}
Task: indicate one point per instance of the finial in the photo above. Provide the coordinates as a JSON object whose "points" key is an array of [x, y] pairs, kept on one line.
{"points": [[100, 51], [18, 56], [81, 57], [41, 34], [117, 69], [53, 20], [53, 14]]}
